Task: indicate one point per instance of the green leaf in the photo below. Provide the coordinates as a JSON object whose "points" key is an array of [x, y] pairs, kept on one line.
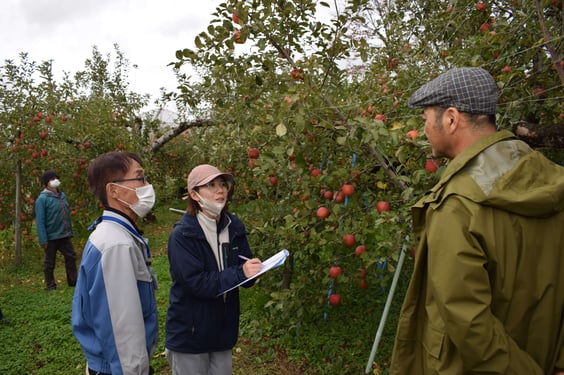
{"points": [[281, 130]]}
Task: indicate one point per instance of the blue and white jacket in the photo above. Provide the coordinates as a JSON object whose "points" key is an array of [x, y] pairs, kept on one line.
{"points": [[114, 311]]}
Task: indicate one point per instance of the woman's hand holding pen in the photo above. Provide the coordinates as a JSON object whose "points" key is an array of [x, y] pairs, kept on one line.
{"points": [[251, 267]]}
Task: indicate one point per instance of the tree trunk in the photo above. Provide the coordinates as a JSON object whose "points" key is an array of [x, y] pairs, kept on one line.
{"points": [[18, 218]]}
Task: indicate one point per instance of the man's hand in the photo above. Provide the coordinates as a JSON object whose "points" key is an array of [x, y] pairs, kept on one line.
{"points": [[252, 267]]}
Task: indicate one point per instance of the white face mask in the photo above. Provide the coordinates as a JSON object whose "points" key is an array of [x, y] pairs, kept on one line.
{"points": [[145, 199], [54, 183], [212, 208]]}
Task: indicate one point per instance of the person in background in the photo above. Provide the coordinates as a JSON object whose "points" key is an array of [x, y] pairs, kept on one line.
{"points": [[54, 229], [114, 311], [207, 250], [487, 291]]}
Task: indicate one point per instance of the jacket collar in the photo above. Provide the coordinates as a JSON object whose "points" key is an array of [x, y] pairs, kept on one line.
{"points": [[461, 160]]}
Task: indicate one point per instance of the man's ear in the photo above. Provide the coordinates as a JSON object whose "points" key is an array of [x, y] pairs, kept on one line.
{"points": [[111, 191], [451, 118]]}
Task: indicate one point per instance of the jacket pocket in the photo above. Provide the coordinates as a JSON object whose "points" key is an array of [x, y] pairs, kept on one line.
{"points": [[433, 341]]}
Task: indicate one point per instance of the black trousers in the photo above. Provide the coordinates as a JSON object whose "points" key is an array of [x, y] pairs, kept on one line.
{"points": [[64, 245]]}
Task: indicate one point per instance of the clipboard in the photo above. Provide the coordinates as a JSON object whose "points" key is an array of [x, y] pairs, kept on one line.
{"points": [[271, 263]]}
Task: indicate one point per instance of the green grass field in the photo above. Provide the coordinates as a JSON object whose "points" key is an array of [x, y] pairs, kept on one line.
{"points": [[39, 339]]}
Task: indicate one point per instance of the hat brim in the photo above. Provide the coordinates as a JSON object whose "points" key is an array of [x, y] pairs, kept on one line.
{"points": [[226, 176]]}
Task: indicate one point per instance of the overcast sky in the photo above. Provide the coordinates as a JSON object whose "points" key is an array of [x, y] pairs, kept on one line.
{"points": [[148, 33]]}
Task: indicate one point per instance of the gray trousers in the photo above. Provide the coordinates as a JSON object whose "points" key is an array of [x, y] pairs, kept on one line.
{"points": [[213, 363]]}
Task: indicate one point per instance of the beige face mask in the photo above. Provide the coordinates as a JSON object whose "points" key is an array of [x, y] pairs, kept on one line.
{"points": [[212, 208]]}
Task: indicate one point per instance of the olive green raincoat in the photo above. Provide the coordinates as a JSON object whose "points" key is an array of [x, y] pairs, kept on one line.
{"points": [[487, 291]]}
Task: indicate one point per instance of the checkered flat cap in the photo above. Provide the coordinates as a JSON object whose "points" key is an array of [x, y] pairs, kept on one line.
{"points": [[471, 90]]}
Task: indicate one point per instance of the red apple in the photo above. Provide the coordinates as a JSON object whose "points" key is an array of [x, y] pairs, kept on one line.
{"points": [[347, 190], [323, 212], [363, 284], [383, 206], [359, 250], [334, 272], [431, 165], [237, 37], [506, 69], [481, 7], [349, 240], [413, 134], [335, 299], [297, 74], [339, 197], [253, 153], [328, 194], [380, 117], [235, 18], [252, 164]]}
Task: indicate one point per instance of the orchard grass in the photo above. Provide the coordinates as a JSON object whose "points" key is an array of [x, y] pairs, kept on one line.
{"points": [[328, 340]]}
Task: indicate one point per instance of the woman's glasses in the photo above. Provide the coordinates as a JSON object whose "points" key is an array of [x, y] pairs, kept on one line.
{"points": [[214, 185]]}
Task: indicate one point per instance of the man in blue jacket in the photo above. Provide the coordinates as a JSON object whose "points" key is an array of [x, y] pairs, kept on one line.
{"points": [[114, 311], [54, 229]]}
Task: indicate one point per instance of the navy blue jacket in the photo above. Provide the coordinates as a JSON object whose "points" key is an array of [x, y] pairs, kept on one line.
{"points": [[199, 320]]}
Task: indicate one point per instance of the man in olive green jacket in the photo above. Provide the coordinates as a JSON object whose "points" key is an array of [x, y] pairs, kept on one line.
{"points": [[487, 292]]}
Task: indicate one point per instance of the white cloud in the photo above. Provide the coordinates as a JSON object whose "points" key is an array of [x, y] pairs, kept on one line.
{"points": [[148, 33]]}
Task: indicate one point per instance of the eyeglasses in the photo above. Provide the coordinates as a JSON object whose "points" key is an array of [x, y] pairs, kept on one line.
{"points": [[145, 179], [214, 185]]}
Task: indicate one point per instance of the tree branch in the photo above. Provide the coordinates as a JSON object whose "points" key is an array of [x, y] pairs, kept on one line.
{"points": [[547, 41], [156, 146]]}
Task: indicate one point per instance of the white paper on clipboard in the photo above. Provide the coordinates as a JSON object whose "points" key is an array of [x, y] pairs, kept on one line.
{"points": [[271, 263]]}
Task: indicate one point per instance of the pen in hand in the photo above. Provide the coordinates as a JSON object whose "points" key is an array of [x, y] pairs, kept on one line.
{"points": [[243, 257]]}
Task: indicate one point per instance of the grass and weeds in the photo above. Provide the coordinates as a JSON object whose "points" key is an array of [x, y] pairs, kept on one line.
{"points": [[320, 340]]}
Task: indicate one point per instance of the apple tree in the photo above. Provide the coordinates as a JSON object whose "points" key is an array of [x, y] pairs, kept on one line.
{"points": [[59, 126], [320, 92]]}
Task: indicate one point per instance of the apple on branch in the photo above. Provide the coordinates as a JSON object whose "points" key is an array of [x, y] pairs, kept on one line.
{"points": [[383, 206], [335, 299], [347, 190], [335, 271], [349, 240], [323, 212]]}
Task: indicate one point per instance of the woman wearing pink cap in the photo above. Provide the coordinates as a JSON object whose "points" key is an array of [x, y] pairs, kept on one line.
{"points": [[207, 250]]}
